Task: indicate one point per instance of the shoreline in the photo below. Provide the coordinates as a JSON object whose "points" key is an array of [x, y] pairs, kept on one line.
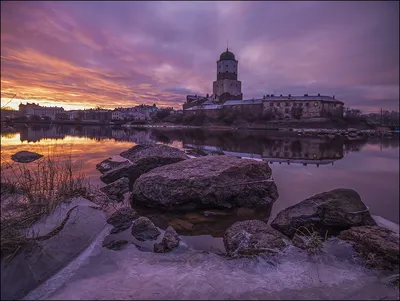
{"points": [[272, 126]]}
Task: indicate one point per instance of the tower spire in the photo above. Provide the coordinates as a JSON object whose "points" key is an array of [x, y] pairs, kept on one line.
{"points": [[227, 45]]}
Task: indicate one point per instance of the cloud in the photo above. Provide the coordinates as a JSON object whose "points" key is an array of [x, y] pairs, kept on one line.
{"points": [[126, 53]]}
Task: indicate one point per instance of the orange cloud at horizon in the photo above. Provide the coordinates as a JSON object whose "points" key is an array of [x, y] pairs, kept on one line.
{"points": [[111, 54]]}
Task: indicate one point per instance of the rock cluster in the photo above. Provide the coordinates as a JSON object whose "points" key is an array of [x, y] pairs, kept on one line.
{"points": [[140, 159], [135, 162], [338, 212], [162, 178], [142, 228]]}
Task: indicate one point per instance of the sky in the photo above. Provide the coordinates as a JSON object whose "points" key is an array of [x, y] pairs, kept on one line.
{"points": [[110, 54]]}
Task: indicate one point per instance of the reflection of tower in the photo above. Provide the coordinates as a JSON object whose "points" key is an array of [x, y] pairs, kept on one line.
{"points": [[227, 87]]}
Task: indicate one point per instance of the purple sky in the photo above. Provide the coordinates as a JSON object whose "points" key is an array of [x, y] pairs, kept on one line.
{"points": [[84, 54]]}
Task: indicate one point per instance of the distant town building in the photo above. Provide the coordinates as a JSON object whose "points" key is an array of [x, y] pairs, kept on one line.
{"points": [[227, 97], [138, 113], [31, 109]]}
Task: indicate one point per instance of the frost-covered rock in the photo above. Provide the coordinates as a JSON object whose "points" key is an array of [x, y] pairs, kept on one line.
{"points": [[122, 219], [378, 245], [143, 229], [253, 237], [141, 159], [121, 170], [25, 157], [115, 191], [207, 182], [331, 211], [170, 241], [109, 164]]}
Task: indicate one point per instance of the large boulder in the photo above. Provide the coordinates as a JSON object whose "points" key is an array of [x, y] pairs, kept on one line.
{"points": [[170, 241], [122, 219], [143, 229], [115, 191], [377, 245], [25, 157], [331, 211], [141, 159], [253, 237], [207, 182]]}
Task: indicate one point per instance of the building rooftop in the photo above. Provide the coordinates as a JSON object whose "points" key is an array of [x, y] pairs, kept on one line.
{"points": [[302, 98], [243, 102], [226, 56], [204, 107]]}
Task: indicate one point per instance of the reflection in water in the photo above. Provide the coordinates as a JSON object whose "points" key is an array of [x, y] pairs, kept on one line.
{"points": [[368, 165], [268, 146], [203, 222]]}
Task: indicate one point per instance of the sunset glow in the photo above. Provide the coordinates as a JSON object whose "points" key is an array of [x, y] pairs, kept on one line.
{"points": [[85, 54]]}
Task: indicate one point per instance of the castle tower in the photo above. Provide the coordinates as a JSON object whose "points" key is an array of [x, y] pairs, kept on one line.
{"points": [[227, 87]]}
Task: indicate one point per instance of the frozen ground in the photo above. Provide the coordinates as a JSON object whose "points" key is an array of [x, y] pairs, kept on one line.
{"points": [[99, 273]]}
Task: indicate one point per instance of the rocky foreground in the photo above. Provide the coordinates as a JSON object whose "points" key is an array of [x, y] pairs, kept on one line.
{"points": [[221, 181], [326, 246]]}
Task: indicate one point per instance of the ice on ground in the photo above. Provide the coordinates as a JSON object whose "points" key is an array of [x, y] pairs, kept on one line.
{"points": [[189, 274], [383, 222]]}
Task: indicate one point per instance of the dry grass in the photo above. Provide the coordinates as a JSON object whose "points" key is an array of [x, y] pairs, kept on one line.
{"points": [[311, 240], [32, 190]]}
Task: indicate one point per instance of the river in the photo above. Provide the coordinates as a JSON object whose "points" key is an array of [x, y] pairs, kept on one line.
{"points": [[302, 166]]}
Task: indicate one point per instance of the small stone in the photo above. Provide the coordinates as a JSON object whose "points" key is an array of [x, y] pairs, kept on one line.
{"points": [[121, 228], [123, 217], [115, 244], [115, 191], [170, 241], [25, 157], [253, 237], [143, 229]]}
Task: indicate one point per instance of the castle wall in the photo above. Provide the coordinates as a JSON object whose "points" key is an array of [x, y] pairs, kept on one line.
{"points": [[309, 109], [246, 109]]}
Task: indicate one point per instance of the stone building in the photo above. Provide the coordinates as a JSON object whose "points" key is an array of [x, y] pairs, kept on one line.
{"points": [[227, 87], [227, 97], [31, 109]]}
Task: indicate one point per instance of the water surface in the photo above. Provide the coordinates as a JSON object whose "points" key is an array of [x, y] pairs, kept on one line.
{"points": [[302, 166]]}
